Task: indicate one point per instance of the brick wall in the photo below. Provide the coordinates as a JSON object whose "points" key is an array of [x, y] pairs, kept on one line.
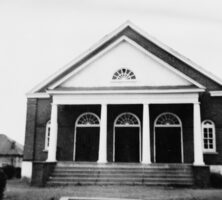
{"points": [[211, 108], [38, 114], [30, 129]]}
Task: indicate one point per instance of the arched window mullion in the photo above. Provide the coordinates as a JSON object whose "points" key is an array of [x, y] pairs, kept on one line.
{"points": [[124, 74], [88, 119]]}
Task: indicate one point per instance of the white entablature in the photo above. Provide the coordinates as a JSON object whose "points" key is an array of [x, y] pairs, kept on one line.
{"points": [[124, 54]]}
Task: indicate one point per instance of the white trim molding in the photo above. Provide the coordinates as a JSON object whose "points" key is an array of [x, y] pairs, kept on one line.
{"points": [[209, 135], [138, 91], [93, 99], [39, 95], [217, 93]]}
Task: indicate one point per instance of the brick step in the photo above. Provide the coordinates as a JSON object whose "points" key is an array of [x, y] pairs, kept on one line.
{"points": [[121, 174]]}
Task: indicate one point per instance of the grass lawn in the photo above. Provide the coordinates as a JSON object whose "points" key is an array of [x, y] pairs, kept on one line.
{"points": [[17, 190]]}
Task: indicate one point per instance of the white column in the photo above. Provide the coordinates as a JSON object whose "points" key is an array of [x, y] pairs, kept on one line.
{"points": [[146, 159], [103, 135], [198, 148], [53, 134]]}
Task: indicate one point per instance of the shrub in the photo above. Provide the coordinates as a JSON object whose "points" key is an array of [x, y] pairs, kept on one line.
{"points": [[216, 180], [17, 172], [2, 183], [9, 170]]}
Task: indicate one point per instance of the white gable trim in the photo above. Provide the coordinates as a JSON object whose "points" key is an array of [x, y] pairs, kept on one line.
{"points": [[176, 54], [81, 56], [124, 38], [108, 37], [38, 95], [139, 91], [53, 86], [216, 93], [93, 99]]}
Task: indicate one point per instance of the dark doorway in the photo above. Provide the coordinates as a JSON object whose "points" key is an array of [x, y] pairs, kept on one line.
{"points": [[127, 144], [168, 145], [87, 144]]}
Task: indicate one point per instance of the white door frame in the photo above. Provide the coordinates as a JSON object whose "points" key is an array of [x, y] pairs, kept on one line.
{"points": [[126, 125], [83, 125], [167, 126]]}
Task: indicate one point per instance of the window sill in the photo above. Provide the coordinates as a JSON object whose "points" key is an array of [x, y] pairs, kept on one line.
{"points": [[209, 152], [45, 150]]}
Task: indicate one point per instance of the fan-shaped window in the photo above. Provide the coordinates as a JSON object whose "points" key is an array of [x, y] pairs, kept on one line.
{"points": [[124, 74], [87, 119], [209, 140], [127, 119], [167, 119], [47, 135]]}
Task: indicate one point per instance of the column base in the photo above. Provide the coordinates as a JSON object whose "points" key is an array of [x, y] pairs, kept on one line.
{"points": [[146, 162], [51, 160], [101, 162], [199, 164]]}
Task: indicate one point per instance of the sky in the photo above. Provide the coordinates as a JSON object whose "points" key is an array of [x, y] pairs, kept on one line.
{"points": [[38, 37]]}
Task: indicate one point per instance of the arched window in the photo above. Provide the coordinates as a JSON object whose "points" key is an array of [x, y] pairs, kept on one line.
{"points": [[127, 119], [168, 125], [124, 74], [47, 135], [209, 140], [167, 119], [87, 119]]}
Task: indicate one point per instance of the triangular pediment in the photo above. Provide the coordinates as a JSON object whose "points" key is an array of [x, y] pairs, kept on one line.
{"points": [[124, 55], [154, 64]]}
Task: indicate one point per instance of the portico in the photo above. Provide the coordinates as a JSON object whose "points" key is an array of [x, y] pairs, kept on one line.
{"points": [[106, 99]]}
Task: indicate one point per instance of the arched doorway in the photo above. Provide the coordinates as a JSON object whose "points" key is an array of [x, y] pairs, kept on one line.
{"points": [[86, 137], [168, 139], [127, 138]]}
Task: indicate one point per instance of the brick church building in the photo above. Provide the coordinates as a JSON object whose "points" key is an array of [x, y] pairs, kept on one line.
{"points": [[128, 103]]}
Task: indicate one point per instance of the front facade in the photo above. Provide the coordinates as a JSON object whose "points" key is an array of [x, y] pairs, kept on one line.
{"points": [[129, 99]]}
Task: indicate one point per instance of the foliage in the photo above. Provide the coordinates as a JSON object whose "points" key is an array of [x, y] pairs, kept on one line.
{"points": [[3, 180], [9, 170]]}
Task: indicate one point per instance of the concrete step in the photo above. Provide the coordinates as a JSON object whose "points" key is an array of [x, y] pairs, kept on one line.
{"points": [[96, 174], [147, 183], [73, 169], [122, 175]]}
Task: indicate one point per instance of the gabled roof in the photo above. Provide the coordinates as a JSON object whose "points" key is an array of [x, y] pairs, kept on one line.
{"points": [[150, 44], [9, 147]]}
